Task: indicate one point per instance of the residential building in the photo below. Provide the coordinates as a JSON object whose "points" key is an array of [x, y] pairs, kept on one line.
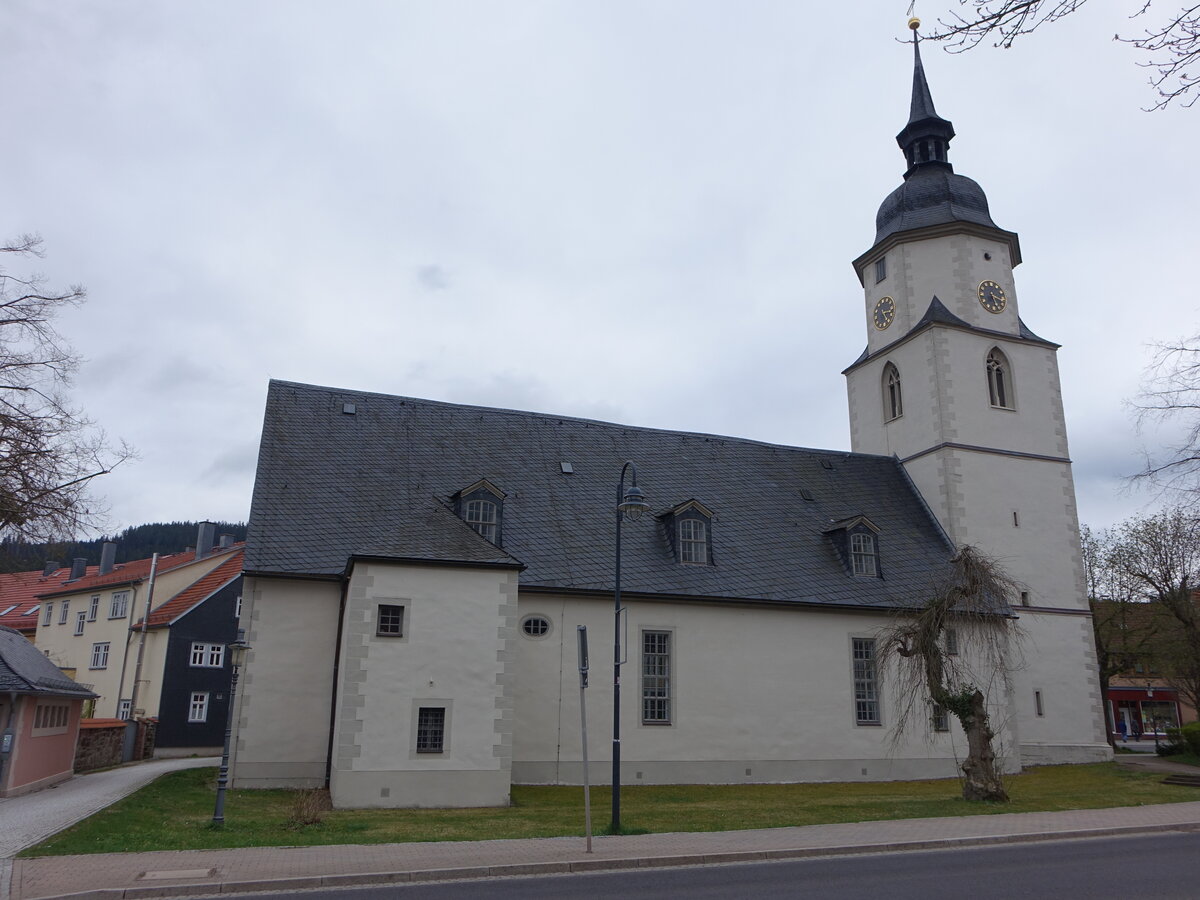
{"points": [[40, 710]]}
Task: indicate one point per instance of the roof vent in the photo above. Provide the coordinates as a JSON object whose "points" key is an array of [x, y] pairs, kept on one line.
{"points": [[78, 568], [349, 409], [827, 464], [805, 493], [52, 566], [567, 468]]}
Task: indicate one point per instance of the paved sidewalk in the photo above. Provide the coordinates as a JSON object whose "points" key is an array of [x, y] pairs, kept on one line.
{"points": [[207, 872]]}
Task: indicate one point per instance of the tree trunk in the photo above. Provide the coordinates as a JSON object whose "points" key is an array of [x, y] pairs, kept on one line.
{"points": [[982, 781]]}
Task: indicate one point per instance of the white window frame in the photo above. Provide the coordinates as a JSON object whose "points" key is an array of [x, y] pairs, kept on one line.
{"points": [[207, 656], [693, 541], [237, 607], [64, 612], [863, 557], [124, 709], [100, 655], [80, 621], [93, 608], [657, 652], [865, 673], [118, 605], [483, 516], [48, 613], [198, 707]]}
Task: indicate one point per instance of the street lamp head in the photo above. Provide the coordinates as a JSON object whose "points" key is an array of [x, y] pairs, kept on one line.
{"points": [[633, 504], [238, 649]]}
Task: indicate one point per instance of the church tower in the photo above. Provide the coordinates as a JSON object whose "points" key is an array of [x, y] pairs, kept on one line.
{"points": [[955, 385]]}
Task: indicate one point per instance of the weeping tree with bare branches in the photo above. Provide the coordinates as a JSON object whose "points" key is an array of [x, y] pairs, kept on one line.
{"points": [[954, 652], [49, 451], [1169, 41]]}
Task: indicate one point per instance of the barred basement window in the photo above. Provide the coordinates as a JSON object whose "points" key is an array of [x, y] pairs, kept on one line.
{"points": [[431, 729], [656, 678], [866, 682], [940, 720], [390, 621]]}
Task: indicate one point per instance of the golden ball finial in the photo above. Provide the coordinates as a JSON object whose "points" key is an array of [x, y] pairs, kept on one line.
{"points": [[914, 23]]}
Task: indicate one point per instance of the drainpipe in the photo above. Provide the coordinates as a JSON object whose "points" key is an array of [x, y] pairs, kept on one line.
{"points": [[137, 670]]}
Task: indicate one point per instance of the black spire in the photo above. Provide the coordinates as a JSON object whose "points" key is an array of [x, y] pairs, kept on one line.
{"points": [[925, 140]]}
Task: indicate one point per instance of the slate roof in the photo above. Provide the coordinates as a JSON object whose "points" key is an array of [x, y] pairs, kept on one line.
{"points": [[25, 670], [380, 482], [196, 593]]}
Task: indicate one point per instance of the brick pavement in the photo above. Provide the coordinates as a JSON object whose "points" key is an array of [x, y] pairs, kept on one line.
{"points": [[119, 875]]}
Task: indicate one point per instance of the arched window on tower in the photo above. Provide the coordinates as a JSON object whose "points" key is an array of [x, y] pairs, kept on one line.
{"points": [[893, 401], [999, 379]]}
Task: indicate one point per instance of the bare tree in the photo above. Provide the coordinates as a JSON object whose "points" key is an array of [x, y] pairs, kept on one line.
{"points": [[1124, 625], [1171, 43], [49, 452], [1171, 393], [1162, 555], [960, 674]]}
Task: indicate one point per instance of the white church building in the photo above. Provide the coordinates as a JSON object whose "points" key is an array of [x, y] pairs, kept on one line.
{"points": [[416, 571]]}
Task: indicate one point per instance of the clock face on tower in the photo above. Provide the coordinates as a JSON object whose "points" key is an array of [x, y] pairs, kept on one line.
{"points": [[992, 297], [885, 312]]}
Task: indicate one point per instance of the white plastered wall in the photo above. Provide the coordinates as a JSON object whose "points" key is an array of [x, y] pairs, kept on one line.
{"points": [[759, 694], [285, 690], [455, 653]]}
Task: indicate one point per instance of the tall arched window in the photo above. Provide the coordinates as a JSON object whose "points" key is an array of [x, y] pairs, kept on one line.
{"points": [[999, 378], [893, 401]]}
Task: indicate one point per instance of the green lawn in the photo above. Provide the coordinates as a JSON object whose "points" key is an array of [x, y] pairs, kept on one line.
{"points": [[174, 812]]}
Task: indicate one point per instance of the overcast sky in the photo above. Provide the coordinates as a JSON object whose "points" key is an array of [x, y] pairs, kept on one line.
{"points": [[639, 211]]}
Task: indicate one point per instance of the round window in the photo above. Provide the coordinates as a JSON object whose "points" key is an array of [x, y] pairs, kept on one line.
{"points": [[535, 626]]}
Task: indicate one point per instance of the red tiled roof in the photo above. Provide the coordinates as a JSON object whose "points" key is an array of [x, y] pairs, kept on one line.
{"points": [[196, 592], [128, 573], [21, 589], [25, 590]]}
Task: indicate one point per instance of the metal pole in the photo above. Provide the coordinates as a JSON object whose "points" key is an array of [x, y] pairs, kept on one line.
{"points": [[587, 783], [137, 670], [615, 825], [223, 774]]}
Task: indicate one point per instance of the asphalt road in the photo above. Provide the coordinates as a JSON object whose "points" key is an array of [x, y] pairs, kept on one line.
{"points": [[1163, 866]]}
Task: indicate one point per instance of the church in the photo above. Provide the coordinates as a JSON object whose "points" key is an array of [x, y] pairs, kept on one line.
{"points": [[417, 572]]}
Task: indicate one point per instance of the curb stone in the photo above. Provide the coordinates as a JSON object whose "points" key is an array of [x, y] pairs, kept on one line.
{"points": [[601, 865]]}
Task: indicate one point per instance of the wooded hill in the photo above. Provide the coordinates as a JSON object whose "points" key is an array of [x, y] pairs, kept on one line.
{"points": [[137, 542]]}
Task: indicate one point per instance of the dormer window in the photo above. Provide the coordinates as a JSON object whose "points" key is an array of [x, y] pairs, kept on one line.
{"points": [[690, 528], [856, 541], [481, 515], [693, 541], [862, 554], [482, 507]]}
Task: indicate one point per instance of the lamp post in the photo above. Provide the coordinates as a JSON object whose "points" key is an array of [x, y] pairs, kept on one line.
{"points": [[237, 655], [631, 503]]}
